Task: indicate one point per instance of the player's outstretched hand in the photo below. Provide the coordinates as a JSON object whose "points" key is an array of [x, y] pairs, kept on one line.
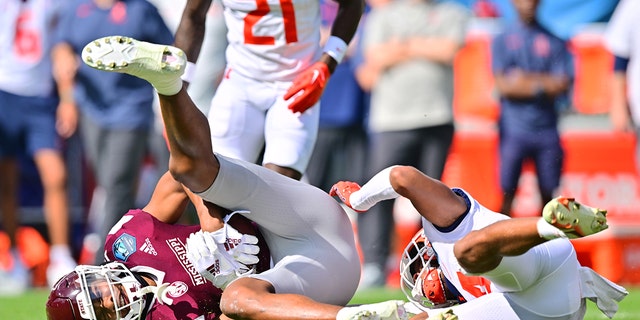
{"points": [[344, 189], [308, 87]]}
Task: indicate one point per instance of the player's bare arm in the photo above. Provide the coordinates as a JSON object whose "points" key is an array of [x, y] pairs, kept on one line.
{"points": [[482, 250], [344, 26], [168, 200], [433, 199], [195, 166], [190, 32]]}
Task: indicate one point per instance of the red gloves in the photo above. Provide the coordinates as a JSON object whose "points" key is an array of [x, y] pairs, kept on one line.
{"points": [[344, 189], [311, 82]]}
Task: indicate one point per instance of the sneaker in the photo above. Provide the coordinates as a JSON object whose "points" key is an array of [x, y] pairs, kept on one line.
{"points": [[14, 278], [58, 268], [574, 219], [158, 64], [372, 277], [387, 310]]}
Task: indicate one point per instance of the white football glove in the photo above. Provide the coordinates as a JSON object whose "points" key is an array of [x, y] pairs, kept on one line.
{"points": [[223, 255], [242, 247]]}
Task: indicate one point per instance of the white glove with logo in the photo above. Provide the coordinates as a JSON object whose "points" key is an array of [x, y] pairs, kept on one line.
{"points": [[223, 255]]}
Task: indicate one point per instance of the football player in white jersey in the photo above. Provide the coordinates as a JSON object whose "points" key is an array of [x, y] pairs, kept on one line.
{"points": [[316, 267], [29, 126], [528, 268], [276, 72]]}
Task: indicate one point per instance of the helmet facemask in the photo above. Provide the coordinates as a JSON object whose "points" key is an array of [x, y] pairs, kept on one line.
{"points": [[421, 278], [111, 291]]}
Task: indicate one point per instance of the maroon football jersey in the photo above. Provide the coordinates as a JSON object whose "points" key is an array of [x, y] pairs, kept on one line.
{"points": [[139, 239]]}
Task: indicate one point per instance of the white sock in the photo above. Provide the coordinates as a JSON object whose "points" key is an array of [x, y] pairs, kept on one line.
{"points": [[18, 262], [377, 189], [167, 85], [547, 231], [59, 252]]}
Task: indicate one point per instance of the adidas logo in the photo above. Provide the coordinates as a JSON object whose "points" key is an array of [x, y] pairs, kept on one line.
{"points": [[147, 247]]}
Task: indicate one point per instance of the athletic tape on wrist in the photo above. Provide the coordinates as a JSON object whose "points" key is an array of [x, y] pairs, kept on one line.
{"points": [[336, 48], [547, 231], [189, 72]]}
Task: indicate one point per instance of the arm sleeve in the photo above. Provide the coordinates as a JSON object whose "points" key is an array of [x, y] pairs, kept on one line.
{"points": [[377, 189]]}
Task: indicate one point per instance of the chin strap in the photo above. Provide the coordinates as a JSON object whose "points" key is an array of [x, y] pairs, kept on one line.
{"points": [[147, 292], [226, 221], [160, 292]]}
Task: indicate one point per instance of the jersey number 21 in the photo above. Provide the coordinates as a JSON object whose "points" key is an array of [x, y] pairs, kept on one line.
{"points": [[288, 16]]}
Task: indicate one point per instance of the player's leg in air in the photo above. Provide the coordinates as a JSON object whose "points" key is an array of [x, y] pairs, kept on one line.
{"points": [[192, 161], [194, 164]]}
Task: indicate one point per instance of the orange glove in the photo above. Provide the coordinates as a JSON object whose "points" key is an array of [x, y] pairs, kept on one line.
{"points": [[344, 189], [311, 83]]}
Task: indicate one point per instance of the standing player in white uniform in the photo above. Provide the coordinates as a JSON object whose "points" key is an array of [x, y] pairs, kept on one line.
{"points": [[316, 264], [28, 126], [531, 265], [276, 72]]}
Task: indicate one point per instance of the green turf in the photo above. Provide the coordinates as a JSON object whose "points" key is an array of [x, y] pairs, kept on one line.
{"points": [[30, 306], [629, 308], [26, 306]]}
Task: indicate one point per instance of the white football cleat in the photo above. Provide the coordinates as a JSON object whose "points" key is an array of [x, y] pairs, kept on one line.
{"points": [[158, 64], [576, 220], [387, 310], [447, 315]]}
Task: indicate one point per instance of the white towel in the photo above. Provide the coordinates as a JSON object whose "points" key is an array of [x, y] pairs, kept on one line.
{"points": [[600, 290]]}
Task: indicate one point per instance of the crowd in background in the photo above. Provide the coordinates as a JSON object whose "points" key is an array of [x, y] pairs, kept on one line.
{"points": [[370, 115]]}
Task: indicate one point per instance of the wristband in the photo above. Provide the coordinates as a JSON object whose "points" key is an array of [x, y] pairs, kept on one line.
{"points": [[336, 48], [189, 72]]}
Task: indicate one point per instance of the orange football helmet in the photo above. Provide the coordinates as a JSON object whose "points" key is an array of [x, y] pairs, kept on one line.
{"points": [[421, 278]]}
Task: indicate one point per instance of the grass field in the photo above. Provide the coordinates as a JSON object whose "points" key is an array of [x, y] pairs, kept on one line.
{"points": [[30, 306]]}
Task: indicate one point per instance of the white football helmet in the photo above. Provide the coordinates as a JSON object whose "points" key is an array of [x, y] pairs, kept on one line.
{"points": [[109, 291], [421, 278]]}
